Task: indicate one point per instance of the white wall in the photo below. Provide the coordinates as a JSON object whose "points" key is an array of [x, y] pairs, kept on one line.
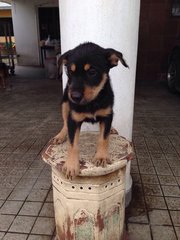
{"points": [[25, 23]]}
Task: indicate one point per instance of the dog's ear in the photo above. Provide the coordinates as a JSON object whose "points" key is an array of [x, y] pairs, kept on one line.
{"points": [[113, 57], [62, 59]]}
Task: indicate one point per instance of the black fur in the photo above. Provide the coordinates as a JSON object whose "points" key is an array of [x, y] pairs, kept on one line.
{"points": [[72, 127]]}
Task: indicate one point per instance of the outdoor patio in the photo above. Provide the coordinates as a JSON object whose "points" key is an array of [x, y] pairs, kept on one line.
{"points": [[30, 117]]}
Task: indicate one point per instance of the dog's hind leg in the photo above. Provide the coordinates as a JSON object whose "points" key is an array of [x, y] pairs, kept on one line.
{"points": [[61, 136], [102, 154]]}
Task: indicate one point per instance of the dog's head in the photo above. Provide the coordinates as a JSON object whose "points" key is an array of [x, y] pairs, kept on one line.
{"points": [[87, 68]]}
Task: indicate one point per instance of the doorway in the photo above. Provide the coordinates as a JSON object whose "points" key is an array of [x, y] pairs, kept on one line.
{"points": [[49, 23]]}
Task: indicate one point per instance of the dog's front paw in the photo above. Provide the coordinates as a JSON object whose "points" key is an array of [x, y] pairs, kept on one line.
{"points": [[59, 138], [101, 160], [113, 131], [71, 168]]}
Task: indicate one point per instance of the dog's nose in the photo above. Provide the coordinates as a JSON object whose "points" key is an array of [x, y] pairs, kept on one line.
{"points": [[76, 96]]}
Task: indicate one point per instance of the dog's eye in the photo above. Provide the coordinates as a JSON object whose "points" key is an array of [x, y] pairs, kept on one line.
{"points": [[92, 72]]}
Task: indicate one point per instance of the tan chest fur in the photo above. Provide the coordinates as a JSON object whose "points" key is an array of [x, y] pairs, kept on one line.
{"points": [[80, 117]]}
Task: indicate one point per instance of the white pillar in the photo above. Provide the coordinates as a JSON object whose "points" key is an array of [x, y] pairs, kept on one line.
{"points": [[25, 32], [111, 24]]}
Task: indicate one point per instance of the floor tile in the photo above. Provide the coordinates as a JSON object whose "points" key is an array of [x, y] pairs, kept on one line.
{"points": [[149, 179], [153, 202], [37, 195], [43, 226], [175, 215], [177, 229], [137, 196], [171, 191], [5, 192], [176, 171], [134, 169], [26, 183], [159, 217], [136, 215], [173, 203], [43, 183], [144, 161], [50, 196], [157, 157], [160, 162], [19, 194], [10, 182], [1, 202], [32, 173], [5, 222], [147, 170], [178, 180], [47, 210], [174, 162], [22, 224], [39, 237], [139, 231], [4, 171], [11, 207], [136, 178], [163, 170], [46, 173], [37, 164], [167, 180], [31, 208], [2, 235], [17, 173], [15, 236], [163, 233], [152, 190]]}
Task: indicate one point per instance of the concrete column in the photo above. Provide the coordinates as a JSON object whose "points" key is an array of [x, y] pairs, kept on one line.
{"points": [[25, 32], [111, 24]]}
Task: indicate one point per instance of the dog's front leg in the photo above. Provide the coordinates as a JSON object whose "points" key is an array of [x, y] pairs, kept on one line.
{"points": [[71, 166], [61, 136], [102, 154]]}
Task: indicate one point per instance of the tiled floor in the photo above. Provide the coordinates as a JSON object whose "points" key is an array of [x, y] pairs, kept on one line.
{"points": [[154, 212], [29, 116]]}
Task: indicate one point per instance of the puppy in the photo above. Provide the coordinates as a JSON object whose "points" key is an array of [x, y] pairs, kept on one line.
{"points": [[3, 75], [88, 97]]}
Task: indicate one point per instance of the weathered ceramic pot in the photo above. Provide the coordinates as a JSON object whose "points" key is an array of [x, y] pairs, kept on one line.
{"points": [[90, 207]]}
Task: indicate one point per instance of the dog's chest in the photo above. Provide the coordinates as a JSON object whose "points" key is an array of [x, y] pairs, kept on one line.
{"points": [[91, 117]]}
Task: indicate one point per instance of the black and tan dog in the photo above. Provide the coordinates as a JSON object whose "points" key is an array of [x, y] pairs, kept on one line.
{"points": [[88, 97], [3, 75]]}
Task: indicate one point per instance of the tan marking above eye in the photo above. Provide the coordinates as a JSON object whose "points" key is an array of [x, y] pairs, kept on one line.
{"points": [[87, 66], [73, 67]]}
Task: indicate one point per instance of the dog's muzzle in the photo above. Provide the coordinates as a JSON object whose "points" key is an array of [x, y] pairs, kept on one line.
{"points": [[76, 96]]}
